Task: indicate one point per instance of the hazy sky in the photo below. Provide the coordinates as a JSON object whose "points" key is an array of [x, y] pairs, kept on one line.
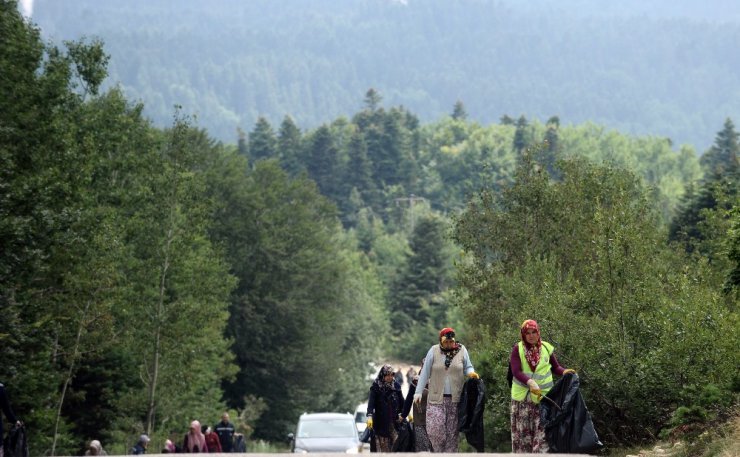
{"points": [[26, 7]]}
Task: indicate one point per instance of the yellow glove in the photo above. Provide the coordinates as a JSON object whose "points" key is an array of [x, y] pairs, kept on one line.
{"points": [[568, 371], [370, 423], [473, 375], [534, 387], [411, 418]]}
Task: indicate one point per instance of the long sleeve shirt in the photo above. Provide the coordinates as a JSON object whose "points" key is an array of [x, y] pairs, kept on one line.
{"points": [[426, 370], [516, 365]]}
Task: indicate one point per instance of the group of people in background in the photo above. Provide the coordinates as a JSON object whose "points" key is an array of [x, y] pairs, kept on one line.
{"points": [[433, 395], [221, 438]]}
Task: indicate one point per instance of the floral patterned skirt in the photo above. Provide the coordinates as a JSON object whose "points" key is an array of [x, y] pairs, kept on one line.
{"points": [[385, 443], [442, 425], [421, 439], [527, 436]]}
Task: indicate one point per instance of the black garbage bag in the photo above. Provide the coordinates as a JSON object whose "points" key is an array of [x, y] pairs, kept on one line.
{"points": [[405, 440], [366, 435], [566, 420], [470, 412], [15, 444]]}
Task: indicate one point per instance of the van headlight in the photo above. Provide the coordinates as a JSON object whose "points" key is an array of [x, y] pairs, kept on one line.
{"points": [[352, 450]]}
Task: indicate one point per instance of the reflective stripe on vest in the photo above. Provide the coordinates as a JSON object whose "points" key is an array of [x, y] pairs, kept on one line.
{"points": [[542, 375]]}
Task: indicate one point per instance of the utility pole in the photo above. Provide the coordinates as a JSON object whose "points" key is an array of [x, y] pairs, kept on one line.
{"points": [[411, 199]]}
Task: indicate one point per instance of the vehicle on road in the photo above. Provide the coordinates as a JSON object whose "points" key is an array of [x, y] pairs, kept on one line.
{"points": [[361, 418], [325, 432]]}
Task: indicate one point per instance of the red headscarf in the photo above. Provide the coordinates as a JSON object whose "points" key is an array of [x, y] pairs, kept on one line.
{"points": [[532, 351]]}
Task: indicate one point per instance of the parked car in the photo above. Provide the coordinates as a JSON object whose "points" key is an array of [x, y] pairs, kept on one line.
{"points": [[325, 432]]}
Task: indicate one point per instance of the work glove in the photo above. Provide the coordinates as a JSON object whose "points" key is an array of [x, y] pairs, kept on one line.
{"points": [[411, 418], [473, 375], [417, 399], [370, 423], [534, 388], [568, 371]]}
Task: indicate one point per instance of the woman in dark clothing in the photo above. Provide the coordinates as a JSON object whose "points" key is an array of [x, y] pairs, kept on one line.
{"points": [[384, 407], [421, 439]]}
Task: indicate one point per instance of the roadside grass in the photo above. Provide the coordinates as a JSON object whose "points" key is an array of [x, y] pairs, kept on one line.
{"points": [[267, 447], [720, 441]]}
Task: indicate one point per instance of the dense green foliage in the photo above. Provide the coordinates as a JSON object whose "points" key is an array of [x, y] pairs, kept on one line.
{"points": [[586, 257], [152, 276], [660, 68]]}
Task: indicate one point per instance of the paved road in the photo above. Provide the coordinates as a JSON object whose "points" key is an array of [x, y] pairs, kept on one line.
{"points": [[393, 454]]}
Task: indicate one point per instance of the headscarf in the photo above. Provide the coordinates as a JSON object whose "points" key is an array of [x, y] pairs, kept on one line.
{"points": [[95, 448], [451, 352], [196, 440], [380, 379], [532, 351]]}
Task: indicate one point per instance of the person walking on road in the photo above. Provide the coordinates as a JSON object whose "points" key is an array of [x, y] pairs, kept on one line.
{"points": [[95, 448], [533, 363], [141, 445], [225, 431], [421, 439], [194, 441], [384, 407], [445, 368]]}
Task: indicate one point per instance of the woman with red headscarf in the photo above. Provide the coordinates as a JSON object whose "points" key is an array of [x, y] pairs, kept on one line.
{"points": [[446, 367], [532, 363]]}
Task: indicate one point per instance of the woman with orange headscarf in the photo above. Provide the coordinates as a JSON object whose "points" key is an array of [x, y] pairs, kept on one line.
{"points": [[532, 363]]}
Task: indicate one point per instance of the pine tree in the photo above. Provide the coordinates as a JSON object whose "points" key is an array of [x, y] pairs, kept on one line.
{"points": [[290, 146], [372, 100], [262, 141], [459, 112], [521, 135], [359, 169], [323, 162], [722, 158]]}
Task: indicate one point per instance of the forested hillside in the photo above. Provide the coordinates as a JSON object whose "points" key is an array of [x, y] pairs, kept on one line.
{"points": [[152, 274], [659, 69]]}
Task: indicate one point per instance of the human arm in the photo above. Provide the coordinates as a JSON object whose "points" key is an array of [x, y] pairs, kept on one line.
{"points": [[556, 367], [409, 401], [468, 369], [516, 365], [426, 371]]}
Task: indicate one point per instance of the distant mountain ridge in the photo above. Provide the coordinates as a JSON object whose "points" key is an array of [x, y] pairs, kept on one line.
{"points": [[642, 69]]}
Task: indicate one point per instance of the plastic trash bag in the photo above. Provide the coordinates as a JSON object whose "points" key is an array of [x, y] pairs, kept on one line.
{"points": [[566, 420], [405, 440]]}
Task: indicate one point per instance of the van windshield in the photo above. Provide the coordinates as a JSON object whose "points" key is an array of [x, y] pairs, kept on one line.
{"points": [[360, 416], [327, 428]]}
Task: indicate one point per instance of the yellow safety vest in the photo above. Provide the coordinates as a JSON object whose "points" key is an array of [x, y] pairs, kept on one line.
{"points": [[542, 375]]}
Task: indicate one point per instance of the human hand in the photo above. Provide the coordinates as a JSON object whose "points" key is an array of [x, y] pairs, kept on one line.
{"points": [[370, 423], [411, 418], [534, 387], [473, 375], [399, 418], [417, 399], [568, 371]]}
